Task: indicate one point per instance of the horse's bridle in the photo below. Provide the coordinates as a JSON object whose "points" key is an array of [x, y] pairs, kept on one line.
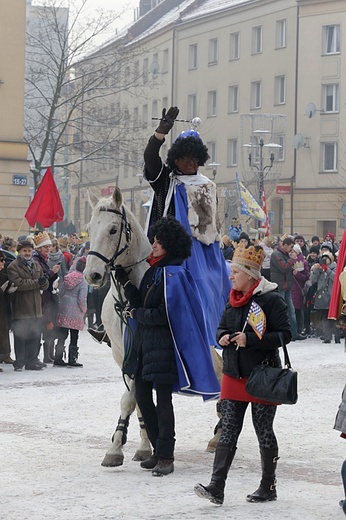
{"points": [[124, 228]]}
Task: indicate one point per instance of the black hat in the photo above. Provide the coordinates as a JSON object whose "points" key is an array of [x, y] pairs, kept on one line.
{"points": [[315, 237], [315, 249], [244, 236], [24, 243]]}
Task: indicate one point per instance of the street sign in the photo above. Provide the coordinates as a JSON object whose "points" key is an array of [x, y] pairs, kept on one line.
{"points": [[20, 180], [283, 190]]}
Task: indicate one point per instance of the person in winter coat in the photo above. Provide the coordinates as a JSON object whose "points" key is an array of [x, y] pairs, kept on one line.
{"points": [[340, 425], [323, 274], [6, 295], [50, 300], [70, 319], [301, 274], [282, 261], [157, 365], [267, 245], [245, 347], [56, 257], [28, 277]]}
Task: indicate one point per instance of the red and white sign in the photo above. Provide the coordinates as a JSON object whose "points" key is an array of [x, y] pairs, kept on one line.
{"points": [[105, 192], [283, 190]]}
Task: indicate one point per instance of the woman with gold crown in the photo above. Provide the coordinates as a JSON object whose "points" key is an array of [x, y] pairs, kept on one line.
{"points": [[249, 334]]}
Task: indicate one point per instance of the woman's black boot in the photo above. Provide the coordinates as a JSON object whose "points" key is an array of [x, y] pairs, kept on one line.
{"points": [[224, 455], [267, 488]]}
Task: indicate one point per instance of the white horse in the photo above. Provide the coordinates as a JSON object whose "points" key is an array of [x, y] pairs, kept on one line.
{"points": [[117, 239]]}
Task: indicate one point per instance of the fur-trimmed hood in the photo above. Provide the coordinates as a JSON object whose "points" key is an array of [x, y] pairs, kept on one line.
{"points": [[265, 286]]}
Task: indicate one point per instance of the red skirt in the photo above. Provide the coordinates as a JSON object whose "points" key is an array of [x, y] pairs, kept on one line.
{"points": [[235, 390]]}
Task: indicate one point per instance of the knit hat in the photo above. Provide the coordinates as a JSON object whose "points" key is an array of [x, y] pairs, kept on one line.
{"points": [[299, 237], [249, 260], [327, 245], [24, 243], [314, 238], [244, 236], [329, 255], [315, 249], [297, 249], [41, 239], [325, 238]]}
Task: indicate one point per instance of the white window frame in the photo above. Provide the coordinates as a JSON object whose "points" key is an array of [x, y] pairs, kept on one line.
{"points": [[329, 157], [281, 34], [234, 46], [280, 90], [211, 145], [191, 106], [212, 51], [280, 153], [154, 112], [256, 95], [165, 58], [331, 98], [193, 56], [212, 103], [233, 99], [232, 152], [331, 39], [257, 39], [145, 70]]}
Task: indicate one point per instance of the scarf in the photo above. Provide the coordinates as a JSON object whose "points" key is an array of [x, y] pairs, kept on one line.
{"points": [[153, 260], [238, 299]]}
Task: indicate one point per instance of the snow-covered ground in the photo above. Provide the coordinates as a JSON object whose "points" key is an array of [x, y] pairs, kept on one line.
{"points": [[56, 425]]}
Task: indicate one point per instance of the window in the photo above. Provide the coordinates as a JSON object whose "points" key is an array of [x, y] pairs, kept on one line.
{"points": [[191, 106], [255, 94], [232, 152], [144, 116], [165, 61], [155, 66], [233, 93], [331, 39], [213, 52], [280, 90], [135, 117], [154, 113], [280, 36], [211, 145], [165, 103], [136, 71], [234, 50], [257, 40], [280, 153], [126, 165], [212, 103], [329, 157], [193, 56], [145, 70], [331, 98]]}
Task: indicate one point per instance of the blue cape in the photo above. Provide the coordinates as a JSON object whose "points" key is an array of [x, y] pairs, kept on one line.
{"points": [[188, 327]]}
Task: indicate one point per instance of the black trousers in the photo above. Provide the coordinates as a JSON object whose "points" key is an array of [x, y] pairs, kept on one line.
{"points": [[159, 419], [27, 340], [62, 334]]}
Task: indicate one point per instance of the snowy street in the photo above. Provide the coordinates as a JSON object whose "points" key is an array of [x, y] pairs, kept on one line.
{"points": [[56, 425]]}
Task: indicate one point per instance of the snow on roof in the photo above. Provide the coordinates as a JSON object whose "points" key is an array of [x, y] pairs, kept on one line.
{"points": [[212, 6]]}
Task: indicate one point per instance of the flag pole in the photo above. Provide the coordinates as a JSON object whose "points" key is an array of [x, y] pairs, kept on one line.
{"points": [[20, 227]]}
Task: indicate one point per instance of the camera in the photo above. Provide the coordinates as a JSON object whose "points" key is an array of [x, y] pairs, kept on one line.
{"points": [[323, 261]]}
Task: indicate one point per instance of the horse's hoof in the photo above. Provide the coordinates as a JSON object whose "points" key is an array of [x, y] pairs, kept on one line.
{"points": [[112, 461], [141, 455]]}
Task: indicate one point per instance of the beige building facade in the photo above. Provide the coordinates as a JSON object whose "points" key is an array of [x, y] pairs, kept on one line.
{"points": [[14, 166], [248, 69]]}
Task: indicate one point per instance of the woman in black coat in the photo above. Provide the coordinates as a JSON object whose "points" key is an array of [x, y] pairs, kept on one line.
{"points": [[244, 347], [153, 342]]}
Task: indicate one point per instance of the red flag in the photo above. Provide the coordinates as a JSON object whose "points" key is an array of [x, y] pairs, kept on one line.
{"points": [[45, 207], [266, 225], [336, 299]]}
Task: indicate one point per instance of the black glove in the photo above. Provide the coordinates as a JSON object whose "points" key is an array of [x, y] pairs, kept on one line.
{"points": [[121, 275], [42, 281], [167, 120]]}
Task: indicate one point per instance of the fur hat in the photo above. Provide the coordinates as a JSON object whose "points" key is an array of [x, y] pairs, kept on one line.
{"points": [[249, 260], [329, 255], [24, 243], [41, 239]]}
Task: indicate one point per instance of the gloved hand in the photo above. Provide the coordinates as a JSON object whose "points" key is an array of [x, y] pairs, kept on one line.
{"points": [[3, 287], [167, 120], [56, 283], [12, 289], [121, 275], [129, 312], [42, 281]]}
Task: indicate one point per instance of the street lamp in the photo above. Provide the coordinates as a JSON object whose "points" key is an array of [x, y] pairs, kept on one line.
{"points": [[214, 166]]}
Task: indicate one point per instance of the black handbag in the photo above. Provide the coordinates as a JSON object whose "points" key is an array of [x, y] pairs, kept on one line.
{"points": [[274, 384]]}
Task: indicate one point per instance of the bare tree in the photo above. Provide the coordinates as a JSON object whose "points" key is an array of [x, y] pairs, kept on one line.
{"points": [[71, 88]]}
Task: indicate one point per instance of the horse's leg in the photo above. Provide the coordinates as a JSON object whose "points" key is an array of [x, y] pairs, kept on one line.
{"points": [[115, 455], [217, 362], [144, 449]]}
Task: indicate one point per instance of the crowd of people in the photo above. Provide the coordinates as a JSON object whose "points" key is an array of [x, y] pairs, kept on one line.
{"points": [[44, 298]]}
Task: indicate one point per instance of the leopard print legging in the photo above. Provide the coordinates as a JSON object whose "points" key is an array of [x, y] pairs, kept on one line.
{"points": [[233, 413]]}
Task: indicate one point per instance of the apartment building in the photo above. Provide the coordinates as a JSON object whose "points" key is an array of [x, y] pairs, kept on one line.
{"points": [[249, 69], [14, 166]]}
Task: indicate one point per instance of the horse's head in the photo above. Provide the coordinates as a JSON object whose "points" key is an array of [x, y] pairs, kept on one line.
{"points": [[116, 238]]}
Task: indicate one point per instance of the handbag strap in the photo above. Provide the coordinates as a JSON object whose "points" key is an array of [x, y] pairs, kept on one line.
{"points": [[284, 348]]}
